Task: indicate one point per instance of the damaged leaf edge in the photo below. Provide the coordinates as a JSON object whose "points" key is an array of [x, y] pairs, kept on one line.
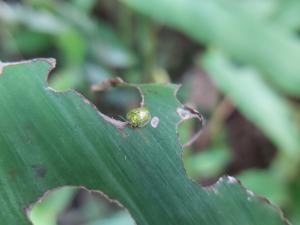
{"points": [[232, 180], [226, 178], [117, 82], [43, 196], [121, 125]]}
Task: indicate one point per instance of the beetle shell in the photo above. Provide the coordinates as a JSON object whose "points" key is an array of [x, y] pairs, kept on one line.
{"points": [[138, 117]]}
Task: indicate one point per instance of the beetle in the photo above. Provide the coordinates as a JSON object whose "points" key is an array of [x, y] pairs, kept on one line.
{"points": [[138, 117]]}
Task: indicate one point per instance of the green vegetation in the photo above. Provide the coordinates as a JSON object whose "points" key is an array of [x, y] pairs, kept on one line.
{"points": [[238, 63]]}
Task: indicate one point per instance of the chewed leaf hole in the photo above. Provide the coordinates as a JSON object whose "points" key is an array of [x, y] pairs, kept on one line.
{"points": [[190, 126], [115, 102], [74, 206], [207, 165], [204, 165], [187, 129]]}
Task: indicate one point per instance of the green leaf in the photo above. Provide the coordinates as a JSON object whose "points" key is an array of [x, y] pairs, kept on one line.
{"points": [[288, 15], [84, 5], [258, 102], [39, 21], [50, 139], [257, 9], [222, 25], [73, 47]]}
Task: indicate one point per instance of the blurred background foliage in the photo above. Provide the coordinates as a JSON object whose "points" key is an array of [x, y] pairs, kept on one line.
{"points": [[237, 61]]}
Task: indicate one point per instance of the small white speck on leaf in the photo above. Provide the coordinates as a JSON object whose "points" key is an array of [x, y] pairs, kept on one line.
{"points": [[155, 122]]}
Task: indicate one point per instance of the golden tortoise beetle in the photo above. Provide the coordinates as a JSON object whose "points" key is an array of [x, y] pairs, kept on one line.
{"points": [[138, 117]]}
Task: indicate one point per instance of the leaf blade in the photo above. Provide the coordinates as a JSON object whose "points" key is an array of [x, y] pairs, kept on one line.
{"points": [[50, 139]]}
